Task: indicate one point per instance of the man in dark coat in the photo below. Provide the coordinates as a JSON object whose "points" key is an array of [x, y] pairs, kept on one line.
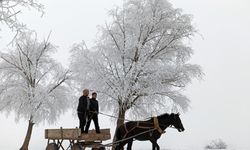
{"points": [[93, 113], [82, 109]]}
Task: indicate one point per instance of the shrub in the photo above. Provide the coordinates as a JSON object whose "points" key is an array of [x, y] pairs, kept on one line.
{"points": [[216, 144]]}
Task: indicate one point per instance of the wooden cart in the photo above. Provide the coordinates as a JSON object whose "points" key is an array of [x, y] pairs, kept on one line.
{"points": [[75, 140]]}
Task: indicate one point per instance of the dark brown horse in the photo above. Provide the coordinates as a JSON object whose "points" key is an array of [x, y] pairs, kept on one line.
{"points": [[151, 130]]}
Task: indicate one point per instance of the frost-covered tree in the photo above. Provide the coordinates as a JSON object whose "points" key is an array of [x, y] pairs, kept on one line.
{"points": [[10, 8], [32, 84], [140, 60]]}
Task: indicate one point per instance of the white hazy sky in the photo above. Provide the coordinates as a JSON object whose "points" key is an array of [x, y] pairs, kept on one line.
{"points": [[220, 102]]}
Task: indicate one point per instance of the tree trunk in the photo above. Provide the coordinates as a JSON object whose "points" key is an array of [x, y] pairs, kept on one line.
{"points": [[119, 122], [27, 137]]}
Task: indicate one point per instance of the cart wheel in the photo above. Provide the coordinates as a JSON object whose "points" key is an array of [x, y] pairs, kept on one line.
{"points": [[52, 146], [77, 146]]}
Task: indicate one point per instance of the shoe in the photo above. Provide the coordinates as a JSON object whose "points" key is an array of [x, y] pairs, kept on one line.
{"points": [[82, 132], [86, 132]]}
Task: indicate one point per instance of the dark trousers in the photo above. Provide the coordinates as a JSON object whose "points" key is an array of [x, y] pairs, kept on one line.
{"points": [[93, 117], [82, 120]]}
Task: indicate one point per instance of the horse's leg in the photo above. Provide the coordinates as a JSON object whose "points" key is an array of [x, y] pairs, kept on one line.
{"points": [[130, 142], [153, 144], [157, 146], [120, 146]]}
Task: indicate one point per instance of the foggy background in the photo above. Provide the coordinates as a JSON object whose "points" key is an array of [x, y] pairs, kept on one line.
{"points": [[220, 102]]}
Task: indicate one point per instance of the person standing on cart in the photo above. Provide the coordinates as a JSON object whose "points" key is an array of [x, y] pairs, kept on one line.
{"points": [[93, 113], [83, 108]]}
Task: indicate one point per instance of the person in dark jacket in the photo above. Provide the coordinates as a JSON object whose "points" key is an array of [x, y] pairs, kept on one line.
{"points": [[93, 113], [82, 109]]}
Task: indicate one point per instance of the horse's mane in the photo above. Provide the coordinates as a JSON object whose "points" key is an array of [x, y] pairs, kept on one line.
{"points": [[151, 118], [165, 114], [161, 115]]}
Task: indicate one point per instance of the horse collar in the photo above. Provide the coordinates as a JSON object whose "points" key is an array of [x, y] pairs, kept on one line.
{"points": [[156, 125]]}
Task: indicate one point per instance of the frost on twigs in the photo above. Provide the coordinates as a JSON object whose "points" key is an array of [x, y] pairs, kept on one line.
{"points": [[32, 83], [139, 63], [9, 10]]}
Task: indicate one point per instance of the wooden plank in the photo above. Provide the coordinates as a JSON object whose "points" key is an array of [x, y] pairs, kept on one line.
{"points": [[62, 133], [103, 131], [93, 136], [75, 134]]}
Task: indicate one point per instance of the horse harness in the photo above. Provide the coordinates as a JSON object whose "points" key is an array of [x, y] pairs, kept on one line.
{"points": [[155, 123]]}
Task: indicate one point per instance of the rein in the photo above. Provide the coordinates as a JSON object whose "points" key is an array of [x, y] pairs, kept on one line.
{"points": [[111, 116], [157, 126]]}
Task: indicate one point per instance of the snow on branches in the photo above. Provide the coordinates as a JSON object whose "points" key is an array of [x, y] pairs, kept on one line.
{"points": [[140, 62], [33, 84], [10, 8]]}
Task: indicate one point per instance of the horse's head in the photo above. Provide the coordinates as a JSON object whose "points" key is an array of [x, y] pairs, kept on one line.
{"points": [[176, 122]]}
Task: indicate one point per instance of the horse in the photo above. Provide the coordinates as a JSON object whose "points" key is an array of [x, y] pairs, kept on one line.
{"points": [[151, 130]]}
